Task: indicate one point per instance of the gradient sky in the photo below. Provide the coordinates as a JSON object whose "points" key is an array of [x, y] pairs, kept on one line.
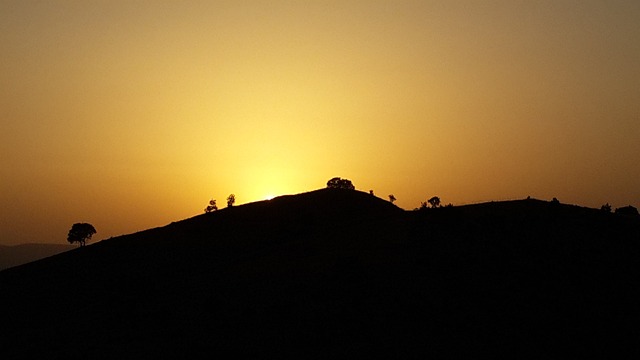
{"points": [[132, 114]]}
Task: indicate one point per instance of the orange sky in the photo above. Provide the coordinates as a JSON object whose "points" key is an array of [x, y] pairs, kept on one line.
{"points": [[133, 114]]}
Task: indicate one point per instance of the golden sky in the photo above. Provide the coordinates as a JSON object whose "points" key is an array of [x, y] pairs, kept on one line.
{"points": [[132, 114]]}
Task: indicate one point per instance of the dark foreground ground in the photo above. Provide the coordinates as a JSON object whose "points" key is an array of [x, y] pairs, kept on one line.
{"points": [[338, 273]]}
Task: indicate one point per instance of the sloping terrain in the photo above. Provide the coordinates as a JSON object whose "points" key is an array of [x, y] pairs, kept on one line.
{"points": [[337, 272]]}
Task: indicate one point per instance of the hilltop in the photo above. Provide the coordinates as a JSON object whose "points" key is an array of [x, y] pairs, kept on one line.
{"points": [[337, 272]]}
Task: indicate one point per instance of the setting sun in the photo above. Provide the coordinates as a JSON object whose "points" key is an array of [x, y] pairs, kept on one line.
{"points": [[130, 115]]}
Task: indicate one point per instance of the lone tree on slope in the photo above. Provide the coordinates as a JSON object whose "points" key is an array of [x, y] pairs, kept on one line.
{"points": [[338, 183], [211, 207], [231, 200], [80, 233], [392, 198]]}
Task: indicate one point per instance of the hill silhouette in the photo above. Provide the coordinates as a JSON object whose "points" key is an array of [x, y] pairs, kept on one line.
{"points": [[337, 272]]}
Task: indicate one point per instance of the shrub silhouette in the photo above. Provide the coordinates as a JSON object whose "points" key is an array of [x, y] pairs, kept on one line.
{"points": [[211, 207], [231, 200], [434, 201], [80, 233], [392, 198], [606, 208], [627, 210], [338, 183]]}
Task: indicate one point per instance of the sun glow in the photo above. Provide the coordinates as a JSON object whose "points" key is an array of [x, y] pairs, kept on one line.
{"points": [[184, 103]]}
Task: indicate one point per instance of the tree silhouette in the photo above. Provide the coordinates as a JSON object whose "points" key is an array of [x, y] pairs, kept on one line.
{"points": [[338, 183], [231, 200], [80, 233], [211, 207], [606, 208], [434, 201], [392, 198]]}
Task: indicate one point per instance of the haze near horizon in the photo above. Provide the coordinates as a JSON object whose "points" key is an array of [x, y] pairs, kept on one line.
{"points": [[130, 115]]}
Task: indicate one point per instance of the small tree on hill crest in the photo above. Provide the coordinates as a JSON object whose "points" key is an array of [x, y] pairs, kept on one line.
{"points": [[211, 207], [231, 200], [338, 183]]}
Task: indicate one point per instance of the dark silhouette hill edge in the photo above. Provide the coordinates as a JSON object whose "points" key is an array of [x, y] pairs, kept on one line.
{"points": [[333, 272]]}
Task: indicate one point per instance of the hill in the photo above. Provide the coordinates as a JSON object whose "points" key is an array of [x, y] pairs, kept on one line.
{"points": [[337, 272], [21, 254]]}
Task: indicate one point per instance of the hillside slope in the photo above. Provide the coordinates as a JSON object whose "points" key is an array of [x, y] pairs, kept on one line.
{"points": [[335, 272]]}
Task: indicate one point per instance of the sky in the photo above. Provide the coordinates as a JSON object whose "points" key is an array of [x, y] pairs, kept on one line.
{"points": [[133, 114]]}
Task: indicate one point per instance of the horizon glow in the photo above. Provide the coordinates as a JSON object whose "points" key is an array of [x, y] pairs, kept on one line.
{"points": [[131, 115]]}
